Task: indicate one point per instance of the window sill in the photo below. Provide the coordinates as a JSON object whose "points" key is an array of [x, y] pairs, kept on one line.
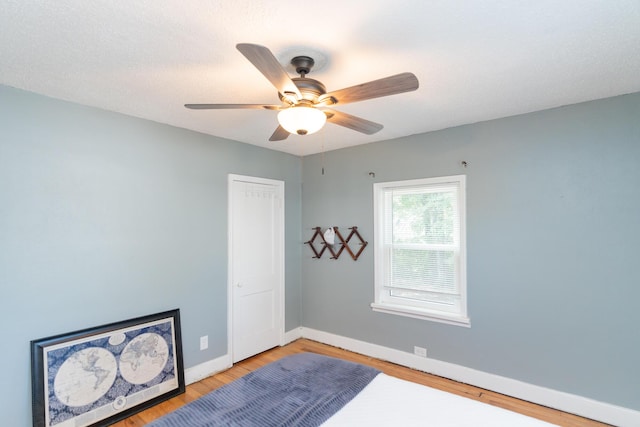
{"points": [[416, 313]]}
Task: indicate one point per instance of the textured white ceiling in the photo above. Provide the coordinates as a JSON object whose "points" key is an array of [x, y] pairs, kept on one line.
{"points": [[475, 60]]}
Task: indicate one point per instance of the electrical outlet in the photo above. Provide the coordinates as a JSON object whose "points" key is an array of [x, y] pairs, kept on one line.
{"points": [[420, 351], [204, 342]]}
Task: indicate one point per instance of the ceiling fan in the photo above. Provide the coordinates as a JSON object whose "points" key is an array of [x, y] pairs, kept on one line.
{"points": [[304, 101]]}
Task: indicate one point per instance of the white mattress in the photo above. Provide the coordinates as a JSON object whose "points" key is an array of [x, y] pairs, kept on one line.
{"points": [[389, 401]]}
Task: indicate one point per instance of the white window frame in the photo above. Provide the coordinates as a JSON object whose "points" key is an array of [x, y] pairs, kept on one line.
{"points": [[383, 301]]}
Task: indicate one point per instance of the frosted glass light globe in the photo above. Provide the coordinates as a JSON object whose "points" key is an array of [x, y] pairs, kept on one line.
{"points": [[302, 120]]}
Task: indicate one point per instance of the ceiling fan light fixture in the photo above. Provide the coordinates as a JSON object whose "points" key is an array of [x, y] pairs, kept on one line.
{"points": [[302, 119], [301, 96]]}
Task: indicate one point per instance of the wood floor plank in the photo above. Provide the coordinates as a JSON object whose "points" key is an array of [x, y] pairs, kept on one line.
{"points": [[200, 388]]}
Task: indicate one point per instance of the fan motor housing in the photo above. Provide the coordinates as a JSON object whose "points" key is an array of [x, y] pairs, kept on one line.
{"points": [[309, 88]]}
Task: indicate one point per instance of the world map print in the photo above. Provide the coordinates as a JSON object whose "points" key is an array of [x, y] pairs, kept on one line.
{"points": [[85, 376], [101, 374], [143, 358]]}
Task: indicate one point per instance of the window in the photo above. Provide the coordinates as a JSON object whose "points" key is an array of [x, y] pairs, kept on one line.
{"points": [[420, 266]]}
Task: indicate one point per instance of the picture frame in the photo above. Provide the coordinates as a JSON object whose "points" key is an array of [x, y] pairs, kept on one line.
{"points": [[100, 375]]}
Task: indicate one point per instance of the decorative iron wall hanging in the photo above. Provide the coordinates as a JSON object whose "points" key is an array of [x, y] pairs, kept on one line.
{"points": [[318, 239]]}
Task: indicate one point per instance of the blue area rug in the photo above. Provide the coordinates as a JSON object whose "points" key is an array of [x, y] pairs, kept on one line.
{"points": [[300, 390]]}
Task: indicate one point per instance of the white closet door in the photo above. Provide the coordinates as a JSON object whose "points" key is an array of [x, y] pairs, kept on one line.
{"points": [[256, 224]]}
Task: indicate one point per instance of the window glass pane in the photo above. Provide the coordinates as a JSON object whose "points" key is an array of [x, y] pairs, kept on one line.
{"points": [[423, 217]]}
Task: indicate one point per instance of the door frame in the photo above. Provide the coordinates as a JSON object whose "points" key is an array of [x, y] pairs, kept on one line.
{"points": [[281, 265]]}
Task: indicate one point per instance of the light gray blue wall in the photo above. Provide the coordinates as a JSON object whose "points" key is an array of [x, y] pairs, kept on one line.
{"points": [[553, 223], [105, 217]]}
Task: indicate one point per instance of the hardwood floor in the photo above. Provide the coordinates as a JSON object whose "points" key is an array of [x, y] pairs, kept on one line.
{"points": [[196, 390]]}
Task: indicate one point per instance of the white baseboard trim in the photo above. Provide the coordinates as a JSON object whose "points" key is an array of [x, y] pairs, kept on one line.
{"points": [[206, 369], [292, 335], [566, 402]]}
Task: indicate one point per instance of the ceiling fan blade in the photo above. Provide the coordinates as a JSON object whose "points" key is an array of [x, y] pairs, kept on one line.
{"points": [[268, 65], [232, 106], [352, 122], [403, 82], [279, 134]]}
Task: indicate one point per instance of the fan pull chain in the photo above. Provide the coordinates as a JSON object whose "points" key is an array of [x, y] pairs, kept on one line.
{"points": [[322, 158]]}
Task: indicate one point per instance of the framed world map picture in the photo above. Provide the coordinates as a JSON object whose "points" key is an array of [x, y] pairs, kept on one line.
{"points": [[97, 376]]}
